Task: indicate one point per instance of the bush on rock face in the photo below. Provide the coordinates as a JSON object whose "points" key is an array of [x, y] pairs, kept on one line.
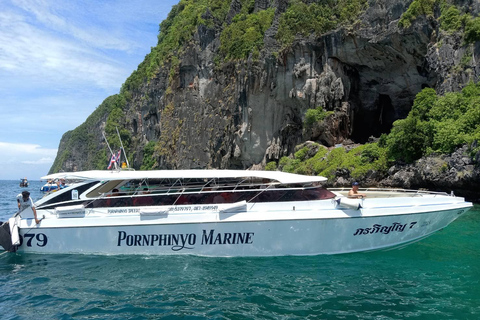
{"points": [[472, 30], [316, 18], [437, 124], [245, 35]]}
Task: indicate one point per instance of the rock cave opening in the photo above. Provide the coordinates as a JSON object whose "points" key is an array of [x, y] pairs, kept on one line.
{"points": [[374, 121], [135, 126]]}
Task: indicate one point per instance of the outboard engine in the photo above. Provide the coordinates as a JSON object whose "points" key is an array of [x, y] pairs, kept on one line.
{"points": [[6, 237]]}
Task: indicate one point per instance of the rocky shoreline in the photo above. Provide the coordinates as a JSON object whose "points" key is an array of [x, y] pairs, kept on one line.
{"points": [[458, 173]]}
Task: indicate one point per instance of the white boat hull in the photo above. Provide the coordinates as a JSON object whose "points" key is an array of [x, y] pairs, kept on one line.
{"points": [[261, 230]]}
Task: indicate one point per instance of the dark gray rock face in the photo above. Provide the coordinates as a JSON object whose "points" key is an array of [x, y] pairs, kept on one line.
{"points": [[243, 114], [235, 116]]}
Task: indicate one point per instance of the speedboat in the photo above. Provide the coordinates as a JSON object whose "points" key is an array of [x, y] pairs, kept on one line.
{"points": [[222, 213], [53, 185], [49, 187], [24, 183]]}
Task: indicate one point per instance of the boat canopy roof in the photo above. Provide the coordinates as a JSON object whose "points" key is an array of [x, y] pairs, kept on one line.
{"points": [[282, 177]]}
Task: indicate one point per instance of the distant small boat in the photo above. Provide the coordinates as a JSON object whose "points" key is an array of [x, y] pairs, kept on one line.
{"points": [[23, 183], [49, 186], [53, 185]]}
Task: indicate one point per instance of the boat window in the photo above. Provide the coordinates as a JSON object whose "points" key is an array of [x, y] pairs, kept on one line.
{"points": [[147, 198], [104, 188], [66, 195], [141, 192]]}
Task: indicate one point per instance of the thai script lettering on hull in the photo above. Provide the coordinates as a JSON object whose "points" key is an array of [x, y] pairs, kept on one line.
{"points": [[378, 228]]}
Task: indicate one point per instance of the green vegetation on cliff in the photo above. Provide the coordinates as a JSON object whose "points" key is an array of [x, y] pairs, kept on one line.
{"points": [[313, 116], [245, 34], [148, 158], [452, 18], [472, 30], [305, 19], [328, 163], [417, 8], [436, 124]]}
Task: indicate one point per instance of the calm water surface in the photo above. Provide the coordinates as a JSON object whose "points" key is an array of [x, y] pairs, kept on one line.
{"points": [[436, 278]]}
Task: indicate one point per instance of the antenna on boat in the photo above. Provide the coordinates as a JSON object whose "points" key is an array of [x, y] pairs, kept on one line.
{"points": [[121, 144]]}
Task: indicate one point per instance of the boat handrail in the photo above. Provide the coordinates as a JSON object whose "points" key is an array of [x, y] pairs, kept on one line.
{"points": [[392, 190]]}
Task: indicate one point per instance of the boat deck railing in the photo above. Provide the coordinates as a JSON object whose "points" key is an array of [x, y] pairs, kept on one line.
{"points": [[389, 192]]}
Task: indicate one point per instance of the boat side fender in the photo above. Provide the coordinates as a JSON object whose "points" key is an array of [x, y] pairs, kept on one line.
{"points": [[355, 204], [13, 222], [76, 211], [154, 212], [235, 207]]}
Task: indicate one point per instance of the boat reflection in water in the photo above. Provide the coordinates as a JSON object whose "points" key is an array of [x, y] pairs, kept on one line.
{"points": [[222, 213]]}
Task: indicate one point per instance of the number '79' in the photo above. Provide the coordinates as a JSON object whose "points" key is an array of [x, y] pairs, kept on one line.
{"points": [[28, 237]]}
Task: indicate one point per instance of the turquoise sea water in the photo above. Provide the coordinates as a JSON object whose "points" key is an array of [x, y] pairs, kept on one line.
{"points": [[436, 278]]}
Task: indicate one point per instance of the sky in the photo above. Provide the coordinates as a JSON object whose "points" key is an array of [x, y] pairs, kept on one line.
{"points": [[59, 59]]}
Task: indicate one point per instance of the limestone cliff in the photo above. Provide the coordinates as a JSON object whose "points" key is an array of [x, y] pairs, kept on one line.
{"points": [[201, 109]]}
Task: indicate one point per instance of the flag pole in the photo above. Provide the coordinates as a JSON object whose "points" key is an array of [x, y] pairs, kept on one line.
{"points": [[108, 145], [124, 153]]}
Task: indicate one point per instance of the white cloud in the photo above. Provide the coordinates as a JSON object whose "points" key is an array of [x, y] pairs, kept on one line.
{"points": [[66, 41], [24, 159], [40, 161], [46, 58], [83, 21], [25, 153]]}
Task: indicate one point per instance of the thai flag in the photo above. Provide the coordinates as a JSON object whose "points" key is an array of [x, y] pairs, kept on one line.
{"points": [[119, 154], [115, 159], [112, 161]]}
